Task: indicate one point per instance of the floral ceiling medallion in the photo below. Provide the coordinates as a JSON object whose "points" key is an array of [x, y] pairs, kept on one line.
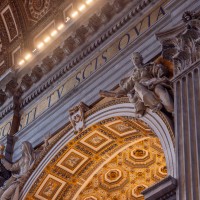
{"points": [[38, 4], [37, 8]]}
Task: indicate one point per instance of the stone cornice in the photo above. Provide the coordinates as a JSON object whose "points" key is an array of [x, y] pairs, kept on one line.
{"points": [[67, 48], [75, 61]]}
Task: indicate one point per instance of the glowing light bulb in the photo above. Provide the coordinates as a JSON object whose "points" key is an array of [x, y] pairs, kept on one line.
{"points": [[27, 56], [61, 26], [89, 1], [54, 33], [40, 45], [74, 14], [82, 7], [47, 39], [21, 62]]}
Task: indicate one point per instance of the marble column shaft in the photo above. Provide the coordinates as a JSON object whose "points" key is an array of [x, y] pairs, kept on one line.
{"points": [[187, 130]]}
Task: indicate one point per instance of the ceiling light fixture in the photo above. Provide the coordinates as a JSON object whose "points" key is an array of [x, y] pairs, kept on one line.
{"points": [[40, 45], [61, 26], [21, 62], [54, 33], [27, 56], [74, 14], [47, 39], [89, 1], [82, 7]]}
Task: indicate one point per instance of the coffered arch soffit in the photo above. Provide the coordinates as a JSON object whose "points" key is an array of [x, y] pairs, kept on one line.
{"points": [[112, 130]]}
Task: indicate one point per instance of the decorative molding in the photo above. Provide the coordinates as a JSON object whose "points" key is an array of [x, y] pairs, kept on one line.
{"points": [[68, 47], [73, 42], [42, 33], [46, 188], [37, 9], [9, 22], [16, 55]]}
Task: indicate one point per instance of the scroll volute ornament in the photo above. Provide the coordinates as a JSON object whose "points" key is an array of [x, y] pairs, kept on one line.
{"points": [[76, 117]]}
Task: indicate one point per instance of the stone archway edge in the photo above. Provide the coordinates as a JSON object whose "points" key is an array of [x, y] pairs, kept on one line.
{"points": [[156, 123]]}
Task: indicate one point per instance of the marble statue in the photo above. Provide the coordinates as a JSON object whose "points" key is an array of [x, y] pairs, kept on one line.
{"points": [[20, 171], [183, 49], [148, 86]]}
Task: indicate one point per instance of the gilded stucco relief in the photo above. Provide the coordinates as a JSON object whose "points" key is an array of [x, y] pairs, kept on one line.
{"points": [[116, 158], [129, 173]]}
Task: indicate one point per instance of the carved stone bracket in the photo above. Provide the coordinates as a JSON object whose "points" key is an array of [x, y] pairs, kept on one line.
{"points": [[76, 116]]}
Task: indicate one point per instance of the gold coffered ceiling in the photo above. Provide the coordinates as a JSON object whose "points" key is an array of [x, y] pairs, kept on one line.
{"points": [[114, 159]]}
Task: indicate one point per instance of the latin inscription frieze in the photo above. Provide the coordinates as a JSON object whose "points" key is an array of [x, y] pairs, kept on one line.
{"points": [[87, 70]]}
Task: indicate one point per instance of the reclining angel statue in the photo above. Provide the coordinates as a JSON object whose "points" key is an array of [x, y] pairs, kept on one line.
{"points": [[148, 86], [20, 170]]}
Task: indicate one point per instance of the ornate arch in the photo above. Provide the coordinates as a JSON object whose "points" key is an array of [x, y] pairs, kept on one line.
{"points": [[158, 123]]}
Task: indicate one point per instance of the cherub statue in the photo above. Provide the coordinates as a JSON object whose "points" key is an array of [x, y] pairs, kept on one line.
{"points": [[148, 86], [20, 170]]}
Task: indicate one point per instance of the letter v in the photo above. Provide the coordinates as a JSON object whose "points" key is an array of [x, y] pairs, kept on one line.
{"points": [[60, 91], [136, 28]]}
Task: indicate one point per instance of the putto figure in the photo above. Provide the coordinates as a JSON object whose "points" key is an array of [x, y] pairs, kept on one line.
{"points": [[148, 86], [20, 171]]}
